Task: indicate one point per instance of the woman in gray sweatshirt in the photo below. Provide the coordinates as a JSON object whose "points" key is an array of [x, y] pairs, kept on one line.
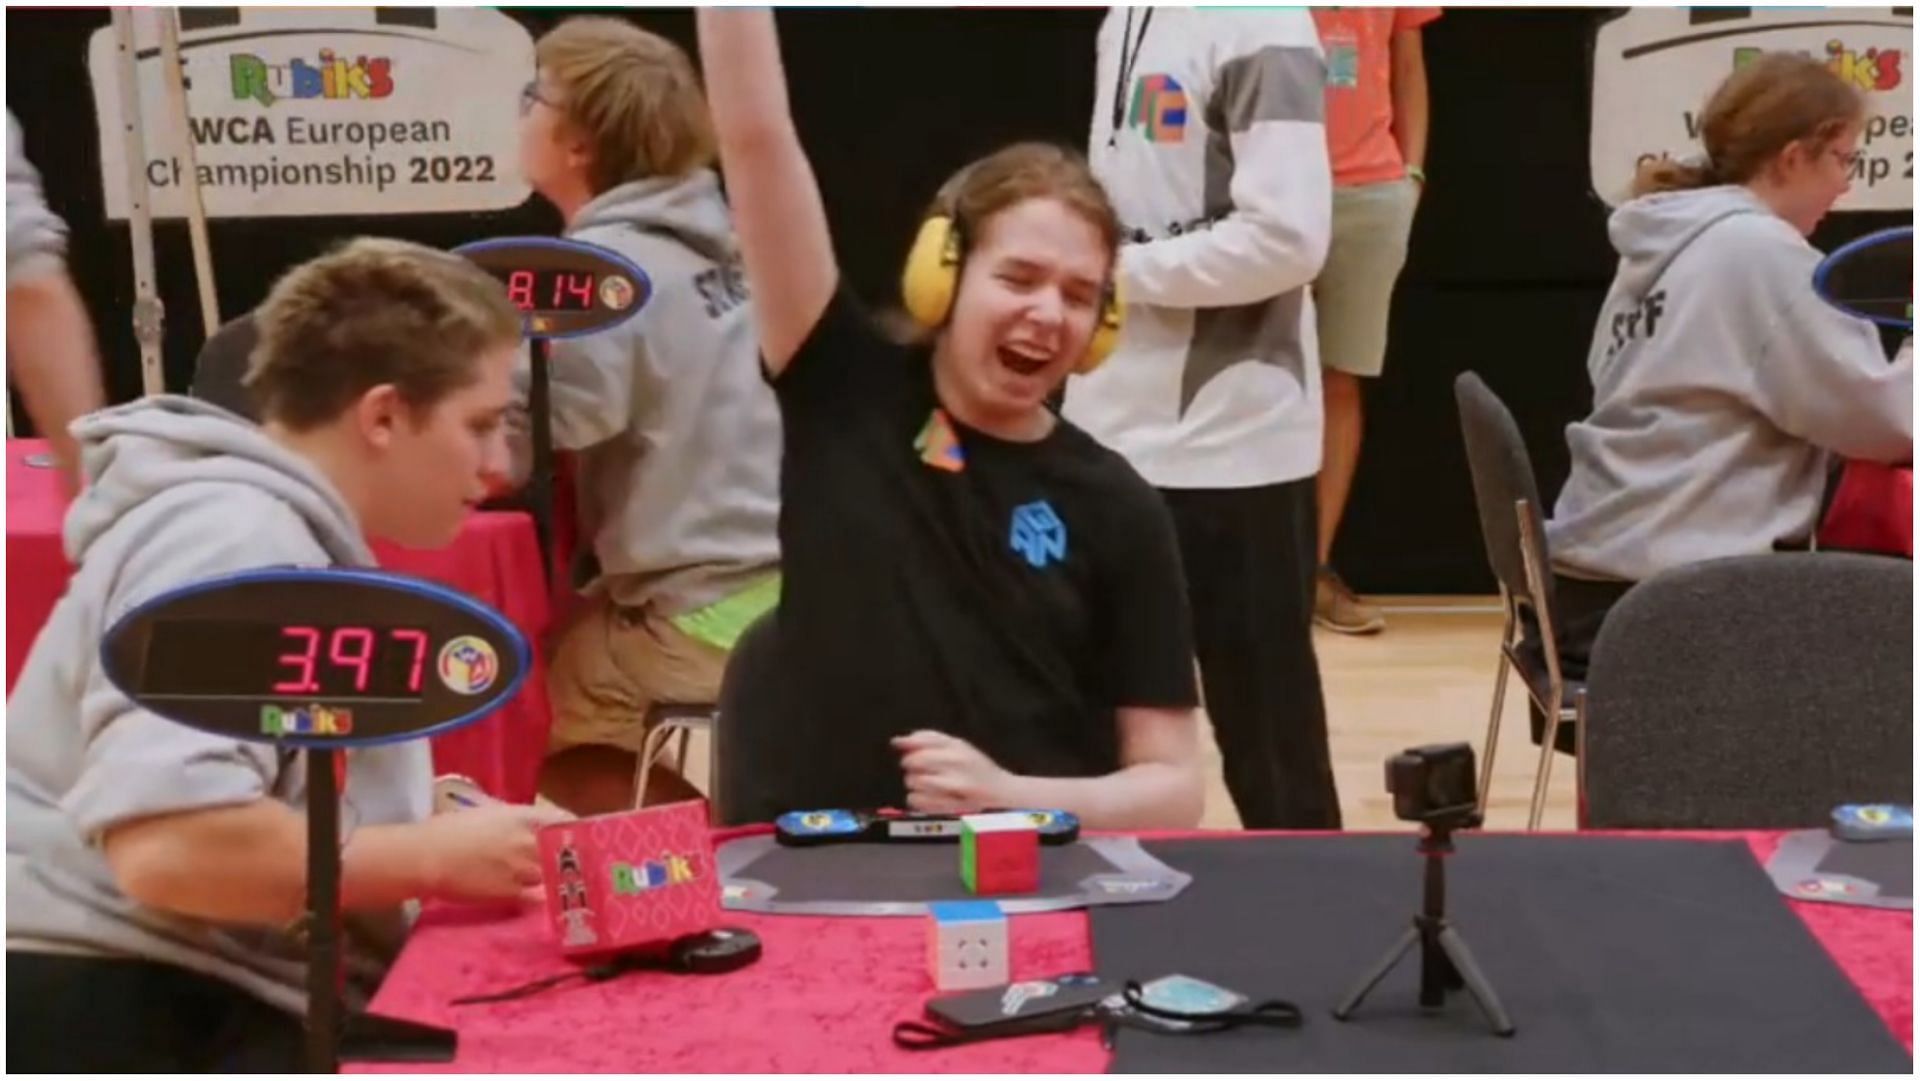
{"points": [[1722, 384]]}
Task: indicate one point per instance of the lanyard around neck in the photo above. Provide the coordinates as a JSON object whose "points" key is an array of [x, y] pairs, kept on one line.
{"points": [[1130, 47]]}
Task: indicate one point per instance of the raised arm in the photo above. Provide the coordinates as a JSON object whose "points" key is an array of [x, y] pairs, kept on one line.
{"points": [[51, 354], [770, 184]]}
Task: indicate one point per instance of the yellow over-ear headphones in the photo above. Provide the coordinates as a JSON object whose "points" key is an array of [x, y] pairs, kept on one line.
{"points": [[932, 277]]}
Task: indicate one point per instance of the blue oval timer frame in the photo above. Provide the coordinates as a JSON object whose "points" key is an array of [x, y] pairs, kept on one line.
{"points": [[1858, 277], [402, 657]]}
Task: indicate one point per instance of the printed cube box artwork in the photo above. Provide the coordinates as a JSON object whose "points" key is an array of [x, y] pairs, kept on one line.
{"points": [[999, 853], [966, 945], [619, 881]]}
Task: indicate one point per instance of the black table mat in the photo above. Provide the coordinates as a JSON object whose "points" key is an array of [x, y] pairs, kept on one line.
{"points": [[1610, 955]]}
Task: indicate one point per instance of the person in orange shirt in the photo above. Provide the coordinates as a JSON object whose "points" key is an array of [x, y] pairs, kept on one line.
{"points": [[1377, 140]]}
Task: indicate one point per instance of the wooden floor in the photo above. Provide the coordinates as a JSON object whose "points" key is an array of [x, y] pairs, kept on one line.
{"points": [[1428, 678]]}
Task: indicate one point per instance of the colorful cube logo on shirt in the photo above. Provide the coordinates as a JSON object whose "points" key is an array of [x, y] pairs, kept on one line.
{"points": [[1038, 533], [939, 445], [1159, 108]]}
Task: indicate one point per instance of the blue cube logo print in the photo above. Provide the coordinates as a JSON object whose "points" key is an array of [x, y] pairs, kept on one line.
{"points": [[1038, 533]]}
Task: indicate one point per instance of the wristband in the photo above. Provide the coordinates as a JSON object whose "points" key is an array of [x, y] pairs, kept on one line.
{"points": [[1417, 175]]}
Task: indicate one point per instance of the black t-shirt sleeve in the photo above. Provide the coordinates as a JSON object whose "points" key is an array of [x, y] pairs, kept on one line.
{"points": [[845, 359], [1147, 629]]}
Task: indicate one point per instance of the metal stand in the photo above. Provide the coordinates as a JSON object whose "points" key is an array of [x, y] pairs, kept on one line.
{"points": [[1446, 964], [332, 1034], [540, 482], [148, 313]]}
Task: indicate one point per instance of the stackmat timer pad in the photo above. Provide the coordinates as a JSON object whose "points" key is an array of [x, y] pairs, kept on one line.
{"points": [[758, 874], [1612, 955]]}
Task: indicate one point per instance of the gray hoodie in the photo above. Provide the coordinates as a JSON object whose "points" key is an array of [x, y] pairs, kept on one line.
{"points": [[177, 490], [677, 433], [36, 237], [1721, 382]]}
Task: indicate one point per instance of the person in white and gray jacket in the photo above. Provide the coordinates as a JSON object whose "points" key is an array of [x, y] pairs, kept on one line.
{"points": [[1724, 387], [1208, 132], [50, 346]]}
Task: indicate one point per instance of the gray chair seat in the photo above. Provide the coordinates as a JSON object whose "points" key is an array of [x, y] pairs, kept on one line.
{"points": [[1752, 693]]}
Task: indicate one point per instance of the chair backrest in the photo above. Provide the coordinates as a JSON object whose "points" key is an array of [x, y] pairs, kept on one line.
{"points": [[742, 759], [1755, 692], [222, 363], [1502, 476]]}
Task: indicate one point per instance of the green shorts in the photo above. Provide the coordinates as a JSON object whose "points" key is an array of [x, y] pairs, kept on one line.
{"points": [[1354, 292]]}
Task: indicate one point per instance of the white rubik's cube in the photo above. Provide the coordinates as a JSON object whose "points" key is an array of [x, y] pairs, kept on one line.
{"points": [[966, 945]]}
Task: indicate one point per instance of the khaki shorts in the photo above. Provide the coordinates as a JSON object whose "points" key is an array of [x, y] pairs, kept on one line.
{"points": [[1354, 292], [610, 664]]}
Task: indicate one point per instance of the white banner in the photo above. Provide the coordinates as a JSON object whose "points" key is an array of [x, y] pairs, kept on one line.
{"points": [[1654, 67], [312, 111]]}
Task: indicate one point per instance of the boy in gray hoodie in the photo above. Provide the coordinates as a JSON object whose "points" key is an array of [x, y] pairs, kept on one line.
{"points": [[154, 871], [1723, 385], [678, 437]]}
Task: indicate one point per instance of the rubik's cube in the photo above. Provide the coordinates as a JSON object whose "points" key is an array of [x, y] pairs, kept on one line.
{"points": [[999, 853]]}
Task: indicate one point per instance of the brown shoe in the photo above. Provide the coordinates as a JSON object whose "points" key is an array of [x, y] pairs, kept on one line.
{"points": [[1336, 608]]}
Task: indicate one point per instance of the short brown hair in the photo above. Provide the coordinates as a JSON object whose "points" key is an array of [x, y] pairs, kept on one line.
{"points": [[1769, 102], [1022, 171], [633, 94], [373, 311]]}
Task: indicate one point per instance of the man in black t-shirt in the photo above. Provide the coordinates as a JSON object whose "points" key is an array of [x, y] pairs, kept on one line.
{"points": [[982, 606]]}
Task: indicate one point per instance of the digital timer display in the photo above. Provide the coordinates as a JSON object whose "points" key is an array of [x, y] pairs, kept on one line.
{"points": [[355, 657], [564, 287], [227, 658]]}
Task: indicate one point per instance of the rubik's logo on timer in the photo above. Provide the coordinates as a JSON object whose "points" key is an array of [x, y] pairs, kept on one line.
{"points": [[1159, 108], [314, 720], [1039, 536]]}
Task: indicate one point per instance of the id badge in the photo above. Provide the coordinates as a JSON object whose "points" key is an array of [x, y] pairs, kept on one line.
{"points": [[1343, 60], [1180, 995]]}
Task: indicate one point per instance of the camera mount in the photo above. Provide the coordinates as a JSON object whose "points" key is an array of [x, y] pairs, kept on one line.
{"points": [[1446, 964]]}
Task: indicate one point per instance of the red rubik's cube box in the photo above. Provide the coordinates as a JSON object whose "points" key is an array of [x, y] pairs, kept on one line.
{"points": [[623, 881]]}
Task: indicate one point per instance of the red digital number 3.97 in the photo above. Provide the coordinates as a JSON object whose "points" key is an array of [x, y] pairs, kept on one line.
{"points": [[301, 662], [351, 648]]}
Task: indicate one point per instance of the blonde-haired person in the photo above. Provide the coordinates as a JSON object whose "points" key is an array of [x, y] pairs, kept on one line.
{"points": [[154, 871], [678, 437], [1722, 384], [983, 606]]}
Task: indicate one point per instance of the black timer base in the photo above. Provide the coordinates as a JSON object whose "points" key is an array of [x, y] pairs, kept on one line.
{"points": [[368, 1037]]}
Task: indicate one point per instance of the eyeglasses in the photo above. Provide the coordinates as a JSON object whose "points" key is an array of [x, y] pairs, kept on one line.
{"points": [[530, 96], [1847, 158]]}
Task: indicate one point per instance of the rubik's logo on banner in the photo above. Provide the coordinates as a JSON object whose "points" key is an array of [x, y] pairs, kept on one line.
{"points": [[939, 445]]}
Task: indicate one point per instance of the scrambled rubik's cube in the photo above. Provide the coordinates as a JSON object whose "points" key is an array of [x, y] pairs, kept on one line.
{"points": [[966, 945], [999, 853]]}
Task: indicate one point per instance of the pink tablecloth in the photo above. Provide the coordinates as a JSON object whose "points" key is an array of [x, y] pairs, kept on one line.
{"points": [[496, 559], [1872, 510], [826, 993]]}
